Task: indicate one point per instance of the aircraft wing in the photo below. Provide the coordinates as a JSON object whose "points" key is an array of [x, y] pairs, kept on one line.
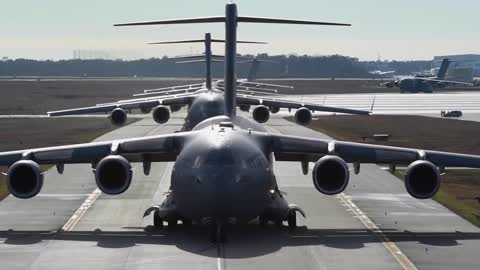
{"points": [[248, 100], [148, 103], [152, 148], [445, 81], [292, 148]]}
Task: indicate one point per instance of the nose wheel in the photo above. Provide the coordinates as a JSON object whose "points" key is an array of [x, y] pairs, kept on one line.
{"points": [[292, 220], [157, 220]]}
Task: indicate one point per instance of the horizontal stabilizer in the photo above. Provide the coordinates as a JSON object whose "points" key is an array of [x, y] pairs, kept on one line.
{"points": [[202, 41], [198, 61], [239, 19], [286, 21], [177, 21]]}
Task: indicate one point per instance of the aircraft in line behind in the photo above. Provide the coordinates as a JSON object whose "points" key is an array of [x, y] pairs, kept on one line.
{"points": [[417, 84], [223, 168], [206, 100]]}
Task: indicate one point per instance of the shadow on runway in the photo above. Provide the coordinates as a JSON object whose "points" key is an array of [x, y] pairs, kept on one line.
{"points": [[243, 241]]}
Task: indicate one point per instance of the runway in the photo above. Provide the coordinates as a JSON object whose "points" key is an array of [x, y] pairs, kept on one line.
{"points": [[390, 104], [108, 232], [468, 102]]}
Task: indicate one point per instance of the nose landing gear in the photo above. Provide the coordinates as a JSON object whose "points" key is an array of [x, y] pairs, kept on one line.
{"points": [[217, 232]]}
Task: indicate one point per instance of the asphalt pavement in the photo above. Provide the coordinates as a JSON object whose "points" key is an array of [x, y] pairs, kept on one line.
{"points": [[374, 224]]}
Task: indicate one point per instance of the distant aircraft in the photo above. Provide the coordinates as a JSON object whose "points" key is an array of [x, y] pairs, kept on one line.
{"points": [[381, 73], [223, 169], [205, 100], [425, 84]]}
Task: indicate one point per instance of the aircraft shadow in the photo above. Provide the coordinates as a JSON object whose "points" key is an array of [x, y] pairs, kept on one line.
{"points": [[243, 241]]}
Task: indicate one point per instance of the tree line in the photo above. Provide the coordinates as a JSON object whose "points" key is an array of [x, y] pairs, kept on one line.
{"points": [[292, 66]]}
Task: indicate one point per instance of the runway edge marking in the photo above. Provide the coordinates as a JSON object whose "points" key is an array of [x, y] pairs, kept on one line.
{"points": [[75, 218], [401, 258]]}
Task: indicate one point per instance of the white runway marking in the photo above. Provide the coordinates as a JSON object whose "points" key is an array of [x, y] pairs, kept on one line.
{"points": [[401, 258], [81, 211]]}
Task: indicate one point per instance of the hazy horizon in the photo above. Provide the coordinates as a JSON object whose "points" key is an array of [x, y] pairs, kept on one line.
{"points": [[395, 30]]}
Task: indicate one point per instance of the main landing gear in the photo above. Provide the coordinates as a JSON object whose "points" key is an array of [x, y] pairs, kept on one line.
{"points": [[290, 217]]}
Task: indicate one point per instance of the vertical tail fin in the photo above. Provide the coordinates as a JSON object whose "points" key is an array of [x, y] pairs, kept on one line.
{"points": [[252, 73], [443, 69]]}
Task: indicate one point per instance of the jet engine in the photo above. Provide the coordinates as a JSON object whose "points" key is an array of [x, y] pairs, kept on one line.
{"points": [[113, 174], [175, 108], [24, 179], [244, 108], [261, 114], [422, 179], [303, 116], [161, 114], [274, 109], [118, 117], [330, 175]]}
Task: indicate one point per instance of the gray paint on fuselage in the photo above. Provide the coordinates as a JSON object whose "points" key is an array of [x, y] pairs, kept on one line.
{"points": [[222, 172], [204, 106]]}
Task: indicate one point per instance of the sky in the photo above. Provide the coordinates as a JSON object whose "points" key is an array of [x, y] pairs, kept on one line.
{"points": [[391, 29]]}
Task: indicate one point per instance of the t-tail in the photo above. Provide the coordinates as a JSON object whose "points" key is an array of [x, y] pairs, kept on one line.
{"points": [[208, 56], [231, 20], [442, 72]]}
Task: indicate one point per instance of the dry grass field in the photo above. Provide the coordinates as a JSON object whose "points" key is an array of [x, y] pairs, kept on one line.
{"points": [[460, 189]]}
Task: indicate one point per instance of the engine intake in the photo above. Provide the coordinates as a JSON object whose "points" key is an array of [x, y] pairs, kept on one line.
{"points": [[303, 116], [261, 114], [330, 175], [118, 117], [24, 179], [422, 179], [113, 175], [161, 114]]}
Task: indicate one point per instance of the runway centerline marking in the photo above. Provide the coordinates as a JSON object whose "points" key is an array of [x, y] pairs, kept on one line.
{"points": [[401, 258], [75, 218]]}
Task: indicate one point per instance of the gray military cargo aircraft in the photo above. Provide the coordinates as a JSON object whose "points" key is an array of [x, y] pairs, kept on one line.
{"points": [[424, 83], [223, 169], [206, 100]]}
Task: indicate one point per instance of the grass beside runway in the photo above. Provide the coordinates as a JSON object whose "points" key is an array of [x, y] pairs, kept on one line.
{"points": [[19, 134], [460, 189]]}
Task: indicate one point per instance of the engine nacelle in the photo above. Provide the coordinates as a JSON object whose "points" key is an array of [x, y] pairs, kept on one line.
{"points": [[24, 179], [244, 108], [161, 114], [303, 116], [274, 109], [330, 175], [422, 179], [261, 114], [118, 117], [113, 175], [175, 108], [145, 109]]}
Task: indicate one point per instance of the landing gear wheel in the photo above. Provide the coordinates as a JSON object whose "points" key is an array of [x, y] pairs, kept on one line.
{"points": [[292, 220], [157, 220], [279, 223], [187, 222], [172, 224]]}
